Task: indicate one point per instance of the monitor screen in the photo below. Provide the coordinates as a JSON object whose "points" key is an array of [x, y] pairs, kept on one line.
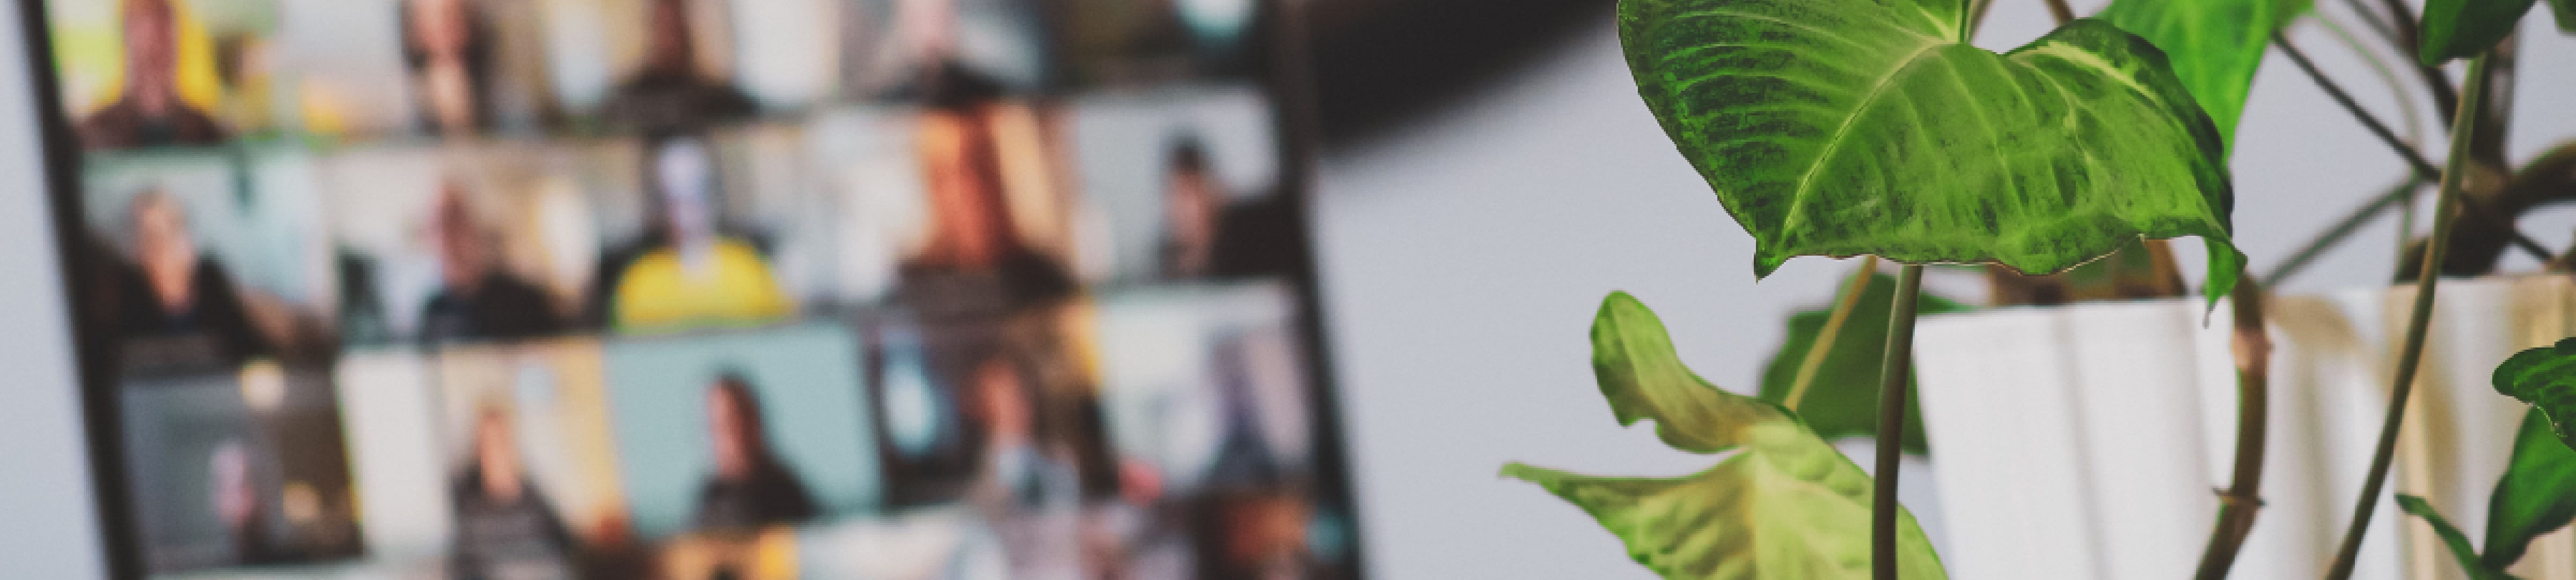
{"points": [[695, 288]]}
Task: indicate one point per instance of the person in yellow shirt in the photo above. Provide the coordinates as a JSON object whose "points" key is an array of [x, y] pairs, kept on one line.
{"points": [[687, 273]]}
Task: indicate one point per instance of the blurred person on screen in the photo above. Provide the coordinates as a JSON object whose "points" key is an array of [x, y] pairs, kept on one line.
{"points": [[685, 269], [175, 296], [1205, 235], [972, 235], [448, 54], [752, 487], [669, 91], [505, 526], [150, 112], [478, 299], [242, 507]]}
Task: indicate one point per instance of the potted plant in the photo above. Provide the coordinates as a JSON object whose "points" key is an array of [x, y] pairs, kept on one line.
{"points": [[1842, 128]]}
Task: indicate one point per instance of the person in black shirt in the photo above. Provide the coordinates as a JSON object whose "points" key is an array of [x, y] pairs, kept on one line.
{"points": [[1206, 236], [751, 487], [175, 307], [505, 526], [151, 111], [480, 301], [669, 93]]}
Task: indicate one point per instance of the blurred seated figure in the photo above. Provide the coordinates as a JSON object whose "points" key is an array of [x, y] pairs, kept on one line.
{"points": [[505, 526], [478, 300], [176, 306], [239, 502], [448, 53], [1205, 236], [752, 487], [973, 238], [150, 112], [669, 92], [684, 270]]}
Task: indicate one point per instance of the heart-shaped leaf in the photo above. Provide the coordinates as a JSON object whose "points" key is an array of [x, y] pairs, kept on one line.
{"points": [[2451, 538], [1785, 506], [2214, 45], [2463, 28], [1842, 400], [2544, 378], [1848, 127], [2536, 496]]}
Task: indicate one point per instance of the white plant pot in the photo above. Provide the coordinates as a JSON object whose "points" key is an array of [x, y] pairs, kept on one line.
{"points": [[2088, 441]]}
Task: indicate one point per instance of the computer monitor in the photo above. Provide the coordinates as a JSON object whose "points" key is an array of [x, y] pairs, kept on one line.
{"points": [[692, 288]]}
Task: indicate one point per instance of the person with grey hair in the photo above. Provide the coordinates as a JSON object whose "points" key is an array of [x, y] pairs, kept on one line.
{"points": [[175, 299]]}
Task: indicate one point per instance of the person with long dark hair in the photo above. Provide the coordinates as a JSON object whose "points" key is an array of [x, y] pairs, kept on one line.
{"points": [[669, 92], [505, 526], [752, 487]]}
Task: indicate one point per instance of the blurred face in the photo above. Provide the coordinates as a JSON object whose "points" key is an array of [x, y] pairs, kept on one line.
{"points": [[463, 259], [727, 428], [439, 26], [686, 174], [149, 50], [164, 249], [497, 454], [236, 501], [669, 48], [961, 197], [1005, 404], [1189, 208]]}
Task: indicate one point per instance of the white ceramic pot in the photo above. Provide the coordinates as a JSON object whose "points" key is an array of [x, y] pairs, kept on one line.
{"points": [[2088, 441]]}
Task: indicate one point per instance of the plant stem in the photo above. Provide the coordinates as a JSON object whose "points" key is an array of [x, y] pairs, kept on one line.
{"points": [[2403, 191], [2402, 19], [2413, 352], [1824, 342], [2413, 158], [2243, 495], [2058, 9], [1894, 372]]}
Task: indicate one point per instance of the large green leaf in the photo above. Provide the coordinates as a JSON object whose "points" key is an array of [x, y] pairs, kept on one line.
{"points": [[2544, 378], [2451, 538], [1848, 127], [1785, 506], [2566, 13], [1842, 400], [2463, 28], [2536, 496], [2214, 45]]}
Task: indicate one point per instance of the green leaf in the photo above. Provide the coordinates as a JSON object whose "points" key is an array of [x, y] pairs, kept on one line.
{"points": [[1848, 127], [2544, 378], [2463, 28], [2214, 46], [2565, 10], [1842, 401], [2536, 496], [2451, 537], [1785, 506]]}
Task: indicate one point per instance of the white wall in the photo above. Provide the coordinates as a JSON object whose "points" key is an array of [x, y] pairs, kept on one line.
{"points": [[1463, 259], [50, 530]]}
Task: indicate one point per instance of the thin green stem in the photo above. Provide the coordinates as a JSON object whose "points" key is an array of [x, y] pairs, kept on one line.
{"points": [[1824, 343], [1894, 372], [2412, 355], [2332, 236], [2243, 495]]}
